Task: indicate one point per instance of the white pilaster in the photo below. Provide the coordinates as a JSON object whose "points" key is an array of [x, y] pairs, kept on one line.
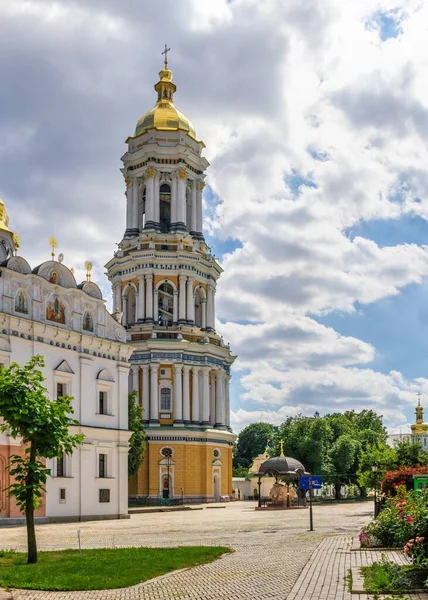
{"points": [[154, 394], [149, 296], [150, 206], [195, 395], [210, 307], [219, 401], [186, 395], [182, 299], [135, 198], [124, 310], [128, 195], [140, 298], [212, 399], [178, 395], [156, 199], [145, 394], [155, 306], [175, 307], [227, 399], [205, 417], [181, 196], [190, 301], [204, 313], [199, 208], [135, 370], [174, 199], [194, 212]]}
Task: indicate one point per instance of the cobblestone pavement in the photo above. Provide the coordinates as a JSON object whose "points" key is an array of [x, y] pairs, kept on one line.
{"points": [[324, 576], [271, 550]]}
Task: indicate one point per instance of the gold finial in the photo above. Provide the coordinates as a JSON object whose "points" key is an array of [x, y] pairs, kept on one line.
{"points": [[88, 267], [281, 445], [165, 52], [53, 243]]}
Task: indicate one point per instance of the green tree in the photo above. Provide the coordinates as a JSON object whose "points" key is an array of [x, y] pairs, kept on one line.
{"points": [[410, 453], [239, 472], [252, 441], [343, 454], [138, 437], [44, 428], [379, 454]]}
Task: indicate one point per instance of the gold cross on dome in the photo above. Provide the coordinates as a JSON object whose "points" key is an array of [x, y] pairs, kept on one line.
{"points": [[166, 55], [419, 398], [281, 445]]}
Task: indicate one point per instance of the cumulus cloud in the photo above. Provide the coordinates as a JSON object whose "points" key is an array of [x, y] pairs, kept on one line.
{"points": [[315, 119]]}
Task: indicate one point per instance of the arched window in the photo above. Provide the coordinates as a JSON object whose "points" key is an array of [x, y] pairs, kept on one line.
{"points": [[165, 399], [165, 207], [199, 297], [131, 307], [166, 303]]}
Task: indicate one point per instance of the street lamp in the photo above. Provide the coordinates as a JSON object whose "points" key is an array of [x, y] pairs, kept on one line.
{"points": [[374, 469]]}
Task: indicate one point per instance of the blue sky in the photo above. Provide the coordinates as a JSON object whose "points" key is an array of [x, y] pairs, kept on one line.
{"points": [[315, 120]]}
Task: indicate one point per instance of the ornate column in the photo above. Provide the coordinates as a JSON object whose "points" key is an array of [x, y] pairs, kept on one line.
{"points": [[181, 199], [117, 296], [190, 301], [140, 299], [149, 297], [186, 395], [150, 200], [154, 394], [193, 222], [182, 299], [156, 306], [219, 400], [227, 400], [199, 207], [205, 417], [178, 395], [195, 396], [212, 399], [204, 313], [175, 307], [145, 394], [128, 195]]}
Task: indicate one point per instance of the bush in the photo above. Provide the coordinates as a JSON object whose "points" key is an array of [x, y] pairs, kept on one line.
{"points": [[404, 517], [401, 477]]}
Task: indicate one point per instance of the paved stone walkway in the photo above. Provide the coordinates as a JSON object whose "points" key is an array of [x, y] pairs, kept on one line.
{"points": [[275, 557]]}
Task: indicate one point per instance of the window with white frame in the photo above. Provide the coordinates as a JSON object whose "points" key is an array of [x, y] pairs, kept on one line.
{"points": [[61, 389], [103, 402], [102, 465], [165, 399], [62, 495], [61, 464]]}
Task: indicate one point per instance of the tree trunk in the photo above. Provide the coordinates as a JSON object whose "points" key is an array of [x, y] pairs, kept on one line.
{"points": [[29, 510], [337, 493]]}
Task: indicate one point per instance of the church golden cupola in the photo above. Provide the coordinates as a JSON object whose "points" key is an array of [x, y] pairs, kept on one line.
{"points": [[164, 281]]}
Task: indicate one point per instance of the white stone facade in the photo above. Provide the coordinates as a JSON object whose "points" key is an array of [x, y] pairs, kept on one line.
{"points": [[45, 312]]}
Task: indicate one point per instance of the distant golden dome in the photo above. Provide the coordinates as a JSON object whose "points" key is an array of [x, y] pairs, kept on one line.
{"points": [[164, 116]]}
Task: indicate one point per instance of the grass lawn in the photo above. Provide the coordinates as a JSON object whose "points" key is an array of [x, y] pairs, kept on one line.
{"points": [[387, 577], [100, 569]]}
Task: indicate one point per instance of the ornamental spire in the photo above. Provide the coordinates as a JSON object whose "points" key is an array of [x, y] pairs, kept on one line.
{"points": [[419, 410]]}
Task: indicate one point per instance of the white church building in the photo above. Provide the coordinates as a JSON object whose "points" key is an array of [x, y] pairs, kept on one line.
{"points": [[45, 311]]}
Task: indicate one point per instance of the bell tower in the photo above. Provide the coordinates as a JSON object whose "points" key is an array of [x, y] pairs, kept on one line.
{"points": [[164, 283]]}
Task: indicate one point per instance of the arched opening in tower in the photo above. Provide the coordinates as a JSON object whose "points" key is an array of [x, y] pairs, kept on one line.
{"points": [[166, 303], [165, 207]]}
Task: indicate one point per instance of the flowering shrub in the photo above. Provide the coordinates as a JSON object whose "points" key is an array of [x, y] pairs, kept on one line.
{"points": [[392, 480], [415, 549], [403, 520]]}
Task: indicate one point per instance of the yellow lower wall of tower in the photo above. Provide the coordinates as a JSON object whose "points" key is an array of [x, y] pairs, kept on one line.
{"points": [[193, 470]]}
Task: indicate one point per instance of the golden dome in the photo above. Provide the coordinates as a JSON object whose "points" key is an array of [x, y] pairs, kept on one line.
{"points": [[164, 116]]}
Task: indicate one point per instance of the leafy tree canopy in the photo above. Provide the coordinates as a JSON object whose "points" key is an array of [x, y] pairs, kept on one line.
{"points": [[252, 441]]}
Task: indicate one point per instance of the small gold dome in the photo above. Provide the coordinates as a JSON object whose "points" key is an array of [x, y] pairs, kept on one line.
{"points": [[164, 116]]}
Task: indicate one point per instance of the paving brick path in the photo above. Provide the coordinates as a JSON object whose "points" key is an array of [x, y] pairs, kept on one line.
{"points": [[275, 557]]}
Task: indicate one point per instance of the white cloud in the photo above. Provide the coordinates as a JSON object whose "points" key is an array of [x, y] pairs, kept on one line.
{"points": [[279, 90]]}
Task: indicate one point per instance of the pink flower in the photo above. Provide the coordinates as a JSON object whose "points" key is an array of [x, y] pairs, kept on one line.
{"points": [[409, 519], [413, 539], [406, 549]]}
